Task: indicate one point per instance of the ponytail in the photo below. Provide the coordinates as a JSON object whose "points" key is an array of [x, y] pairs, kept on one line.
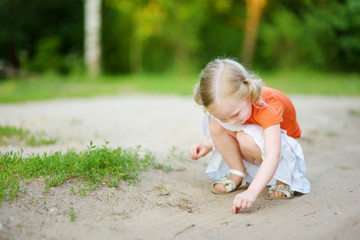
{"points": [[254, 88]]}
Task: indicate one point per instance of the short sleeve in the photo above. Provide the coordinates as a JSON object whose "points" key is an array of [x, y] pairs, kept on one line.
{"points": [[271, 113]]}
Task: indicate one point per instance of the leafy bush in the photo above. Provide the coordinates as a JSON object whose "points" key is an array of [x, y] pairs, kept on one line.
{"points": [[323, 35]]}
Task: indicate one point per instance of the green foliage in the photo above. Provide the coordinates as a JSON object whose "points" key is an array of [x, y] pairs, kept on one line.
{"points": [[115, 44], [222, 32], [156, 34], [41, 35], [72, 214], [323, 35], [162, 35], [48, 57], [95, 167], [173, 155], [13, 135]]}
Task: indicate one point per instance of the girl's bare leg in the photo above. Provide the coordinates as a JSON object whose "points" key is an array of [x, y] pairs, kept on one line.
{"points": [[233, 147], [251, 152], [226, 143], [249, 149]]}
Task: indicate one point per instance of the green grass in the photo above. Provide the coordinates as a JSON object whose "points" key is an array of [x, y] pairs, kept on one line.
{"points": [[10, 135], [51, 86], [308, 82], [56, 86], [72, 214], [95, 167]]}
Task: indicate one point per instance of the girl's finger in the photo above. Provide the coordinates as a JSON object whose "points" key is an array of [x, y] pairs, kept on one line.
{"points": [[239, 203], [200, 154], [195, 154], [192, 154], [234, 209], [244, 205], [195, 151]]}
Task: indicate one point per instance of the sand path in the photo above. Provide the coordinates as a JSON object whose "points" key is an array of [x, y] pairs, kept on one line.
{"points": [[178, 205]]}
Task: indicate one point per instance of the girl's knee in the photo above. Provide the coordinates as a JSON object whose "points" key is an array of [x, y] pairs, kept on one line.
{"points": [[245, 141], [248, 147]]}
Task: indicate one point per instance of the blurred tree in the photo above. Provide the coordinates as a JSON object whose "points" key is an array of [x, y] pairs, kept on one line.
{"points": [[185, 19], [160, 35], [115, 40], [335, 26], [27, 27], [92, 36], [222, 30], [177, 23], [321, 34], [254, 11], [146, 19]]}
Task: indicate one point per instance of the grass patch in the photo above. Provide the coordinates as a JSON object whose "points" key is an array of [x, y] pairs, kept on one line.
{"points": [[95, 167], [308, 82], [56, 86], [50, 86], [13, 135], [354, 112], [173, 155], [72, 214]]}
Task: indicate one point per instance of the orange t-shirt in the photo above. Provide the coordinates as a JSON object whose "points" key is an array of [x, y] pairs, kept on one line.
{"points": [[278, 108]]}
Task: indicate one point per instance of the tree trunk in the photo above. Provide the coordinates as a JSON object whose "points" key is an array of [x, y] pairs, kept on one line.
{"points": [[92, 37], [254, 10]]}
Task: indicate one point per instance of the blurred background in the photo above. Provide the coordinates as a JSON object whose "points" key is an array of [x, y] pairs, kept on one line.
{"points": [[90, 47]]}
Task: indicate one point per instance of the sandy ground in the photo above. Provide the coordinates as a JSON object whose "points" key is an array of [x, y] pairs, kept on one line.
{"points": [[178, 204]]}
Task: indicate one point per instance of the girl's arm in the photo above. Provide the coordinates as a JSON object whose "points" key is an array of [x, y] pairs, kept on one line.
{"points": [[272, 149]]}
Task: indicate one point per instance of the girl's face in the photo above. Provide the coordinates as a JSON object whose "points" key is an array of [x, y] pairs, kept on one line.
{"points": [[233, 111]]}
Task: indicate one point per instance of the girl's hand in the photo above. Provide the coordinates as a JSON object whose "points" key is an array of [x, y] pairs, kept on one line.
{"points": [[243, 200], [199, 150]]}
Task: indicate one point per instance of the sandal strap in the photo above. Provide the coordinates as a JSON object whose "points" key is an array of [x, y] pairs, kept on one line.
{"points": [[238, 173]]}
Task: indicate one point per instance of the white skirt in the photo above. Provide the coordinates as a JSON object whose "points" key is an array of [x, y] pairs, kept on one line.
{"points": [[291, 165]]}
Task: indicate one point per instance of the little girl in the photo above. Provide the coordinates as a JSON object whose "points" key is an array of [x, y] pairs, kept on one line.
{"points": [[253, 133]]}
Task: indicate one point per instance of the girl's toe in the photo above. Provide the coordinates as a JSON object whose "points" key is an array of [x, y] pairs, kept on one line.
{"points": [[272, 194], [281, 195], [220, 187]]}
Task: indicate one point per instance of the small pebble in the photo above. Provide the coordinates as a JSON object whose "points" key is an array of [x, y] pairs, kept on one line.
{"points": [[164, 194], [52, 210]]}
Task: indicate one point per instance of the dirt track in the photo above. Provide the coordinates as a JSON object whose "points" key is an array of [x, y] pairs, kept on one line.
{"points": [[178, 205]]}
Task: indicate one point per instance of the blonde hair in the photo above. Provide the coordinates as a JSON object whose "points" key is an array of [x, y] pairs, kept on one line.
{"points": [[222, 79]]}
